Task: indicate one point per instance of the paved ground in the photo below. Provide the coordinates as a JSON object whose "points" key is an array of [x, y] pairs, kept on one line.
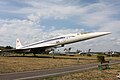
{"points": [[49, 72]]}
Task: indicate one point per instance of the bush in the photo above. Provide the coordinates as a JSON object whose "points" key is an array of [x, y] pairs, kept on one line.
{"points": [[89, 55], [100, 53], [101, 58]]}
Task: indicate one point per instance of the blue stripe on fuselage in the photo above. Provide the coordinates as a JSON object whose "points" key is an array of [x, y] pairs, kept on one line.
{"points": [[43, 42]]}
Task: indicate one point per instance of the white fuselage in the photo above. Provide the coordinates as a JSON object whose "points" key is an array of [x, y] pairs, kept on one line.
{"points": [[65, 39]]}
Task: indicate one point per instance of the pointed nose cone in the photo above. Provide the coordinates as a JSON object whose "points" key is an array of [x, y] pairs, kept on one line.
{"points": [[106, 33], [97, 34], [103, 33]]}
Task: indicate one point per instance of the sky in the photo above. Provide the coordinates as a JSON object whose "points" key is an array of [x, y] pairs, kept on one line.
{"points": [[35, 20]]}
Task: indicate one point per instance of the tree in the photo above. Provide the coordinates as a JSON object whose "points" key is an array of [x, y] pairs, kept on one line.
{"points": [[8, 47], [78, 51], [67, 50]]}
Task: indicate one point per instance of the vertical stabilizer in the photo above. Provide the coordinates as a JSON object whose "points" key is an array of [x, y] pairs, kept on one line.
{"points": [[18, 44]]}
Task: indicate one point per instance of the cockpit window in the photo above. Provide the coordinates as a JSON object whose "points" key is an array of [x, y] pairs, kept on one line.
{"points": [[78, 33], [82, 33], [72, 36]]}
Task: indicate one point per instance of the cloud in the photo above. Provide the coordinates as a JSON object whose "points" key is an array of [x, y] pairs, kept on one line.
{"points": [[98, 15], [11, 29], [27, 30]]}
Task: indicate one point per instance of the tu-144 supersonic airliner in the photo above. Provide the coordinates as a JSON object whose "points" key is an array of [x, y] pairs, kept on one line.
{"points": [[46, 45]]}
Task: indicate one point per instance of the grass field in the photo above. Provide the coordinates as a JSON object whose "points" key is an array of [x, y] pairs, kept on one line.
{"points": [[109, 74], [29, 63], [18, 63]]}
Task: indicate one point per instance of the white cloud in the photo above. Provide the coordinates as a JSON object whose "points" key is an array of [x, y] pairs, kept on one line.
{"points": [[95, 15], [28, 31], [11, 29]]}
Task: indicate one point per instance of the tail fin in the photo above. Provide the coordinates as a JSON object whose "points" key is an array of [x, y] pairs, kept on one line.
{"points": [[18, 44]]}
